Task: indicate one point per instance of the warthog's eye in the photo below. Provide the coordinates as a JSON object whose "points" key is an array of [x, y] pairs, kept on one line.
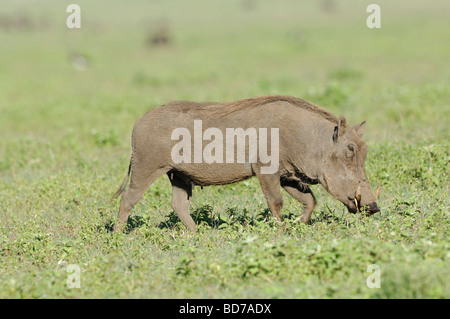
{"points": [[350, 150]]}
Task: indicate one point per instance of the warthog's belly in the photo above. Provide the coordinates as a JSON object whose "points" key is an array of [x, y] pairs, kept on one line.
{"points": [[202, 174]]}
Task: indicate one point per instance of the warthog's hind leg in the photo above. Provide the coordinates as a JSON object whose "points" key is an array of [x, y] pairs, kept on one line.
{"points": [[303, 194], [181, 197], [139, 183]]}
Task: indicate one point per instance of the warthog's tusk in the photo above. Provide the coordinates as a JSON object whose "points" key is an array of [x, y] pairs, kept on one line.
{"points": [[358, 194], [357, 198], [356, 204]]}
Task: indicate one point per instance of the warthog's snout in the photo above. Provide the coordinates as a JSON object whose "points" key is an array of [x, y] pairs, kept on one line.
{"points": [[371, 209], [355, 207]]}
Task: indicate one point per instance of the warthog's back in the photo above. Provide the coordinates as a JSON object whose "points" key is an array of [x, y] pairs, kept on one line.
{"points": [[222, 109]]}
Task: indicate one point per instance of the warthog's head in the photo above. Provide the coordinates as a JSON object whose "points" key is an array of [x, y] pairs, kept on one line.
{"points": [[343, 173]]}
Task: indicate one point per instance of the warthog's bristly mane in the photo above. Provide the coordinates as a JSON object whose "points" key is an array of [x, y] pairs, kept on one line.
{"points": [[232, 107], [263, 100]]}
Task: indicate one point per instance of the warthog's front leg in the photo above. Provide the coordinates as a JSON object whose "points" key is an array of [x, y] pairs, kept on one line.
{"points": [[270, 185], [303, 194]]}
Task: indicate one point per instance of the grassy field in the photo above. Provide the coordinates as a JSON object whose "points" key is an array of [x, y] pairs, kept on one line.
{"points": [[69, 99]]}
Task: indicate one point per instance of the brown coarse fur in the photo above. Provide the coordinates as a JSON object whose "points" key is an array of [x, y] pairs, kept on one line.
{"points": [[313, 147], [258, 101], [223, 109]]}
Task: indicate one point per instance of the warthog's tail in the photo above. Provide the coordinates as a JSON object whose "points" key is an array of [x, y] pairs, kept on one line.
{"points": [[124, 184]]}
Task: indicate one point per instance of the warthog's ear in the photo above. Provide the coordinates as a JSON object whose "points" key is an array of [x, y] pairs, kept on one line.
{"points": [[359, 129], [339, 130]]}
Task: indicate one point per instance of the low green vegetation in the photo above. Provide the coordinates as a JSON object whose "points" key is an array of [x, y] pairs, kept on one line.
{"points": [[65, 146]]}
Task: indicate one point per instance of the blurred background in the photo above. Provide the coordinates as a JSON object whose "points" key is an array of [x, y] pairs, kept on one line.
{"points": [[130, 56]]}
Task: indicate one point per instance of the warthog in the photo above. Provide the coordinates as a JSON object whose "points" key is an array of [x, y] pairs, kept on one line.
{"points": [[314, 147]]}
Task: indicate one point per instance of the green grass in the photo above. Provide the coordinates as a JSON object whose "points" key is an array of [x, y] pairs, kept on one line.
{"points": [[65, 146]]}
